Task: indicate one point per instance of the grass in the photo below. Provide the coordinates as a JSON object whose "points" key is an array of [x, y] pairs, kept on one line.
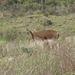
{"points": [[48, 57], [23, 56], [64, 23]]}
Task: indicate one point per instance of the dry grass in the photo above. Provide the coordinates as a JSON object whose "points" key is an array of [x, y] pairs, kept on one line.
{"points": [[47, 58]]}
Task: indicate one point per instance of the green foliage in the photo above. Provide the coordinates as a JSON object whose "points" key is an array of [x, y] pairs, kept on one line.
{"points": [[27, 49], [73, 30], [48, 2], [38, 1], [32, 2], [69, 73]]}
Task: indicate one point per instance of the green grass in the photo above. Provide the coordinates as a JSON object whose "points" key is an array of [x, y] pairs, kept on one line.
{"points": [[22, 56], [63, 24], [2, 41]]}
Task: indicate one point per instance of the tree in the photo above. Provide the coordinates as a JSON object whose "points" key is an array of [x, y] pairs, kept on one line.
{"points": [[43, 4]]}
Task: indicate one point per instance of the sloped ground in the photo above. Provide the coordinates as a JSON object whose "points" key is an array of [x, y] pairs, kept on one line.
{"points": [[38, 57], [22, 56], [36, 22]]}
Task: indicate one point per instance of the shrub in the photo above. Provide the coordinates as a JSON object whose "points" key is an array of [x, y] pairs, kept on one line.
{"points": [[47, 22], [26, 48]]}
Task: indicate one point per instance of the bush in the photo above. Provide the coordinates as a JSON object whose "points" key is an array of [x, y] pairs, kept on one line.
{"points": [[27, 49], [47, 22]]}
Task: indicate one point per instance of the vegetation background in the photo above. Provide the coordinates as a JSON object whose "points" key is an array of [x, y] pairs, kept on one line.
{"points": [[19, 54]]}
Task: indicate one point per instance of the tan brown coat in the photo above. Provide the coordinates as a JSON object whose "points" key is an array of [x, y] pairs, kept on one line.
{"points": [[45, 34]]}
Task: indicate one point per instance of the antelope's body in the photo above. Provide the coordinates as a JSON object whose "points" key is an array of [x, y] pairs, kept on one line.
{"points": [[45, 34]]}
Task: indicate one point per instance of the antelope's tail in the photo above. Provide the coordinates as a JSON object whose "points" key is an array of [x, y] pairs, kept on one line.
{"points": [[29, 31]]}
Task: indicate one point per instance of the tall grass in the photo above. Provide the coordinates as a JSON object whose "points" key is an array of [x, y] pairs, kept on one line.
{"points": [[47, 58]]}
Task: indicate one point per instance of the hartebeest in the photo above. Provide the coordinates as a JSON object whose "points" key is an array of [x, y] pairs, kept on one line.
{"points": [[45, 34]]}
